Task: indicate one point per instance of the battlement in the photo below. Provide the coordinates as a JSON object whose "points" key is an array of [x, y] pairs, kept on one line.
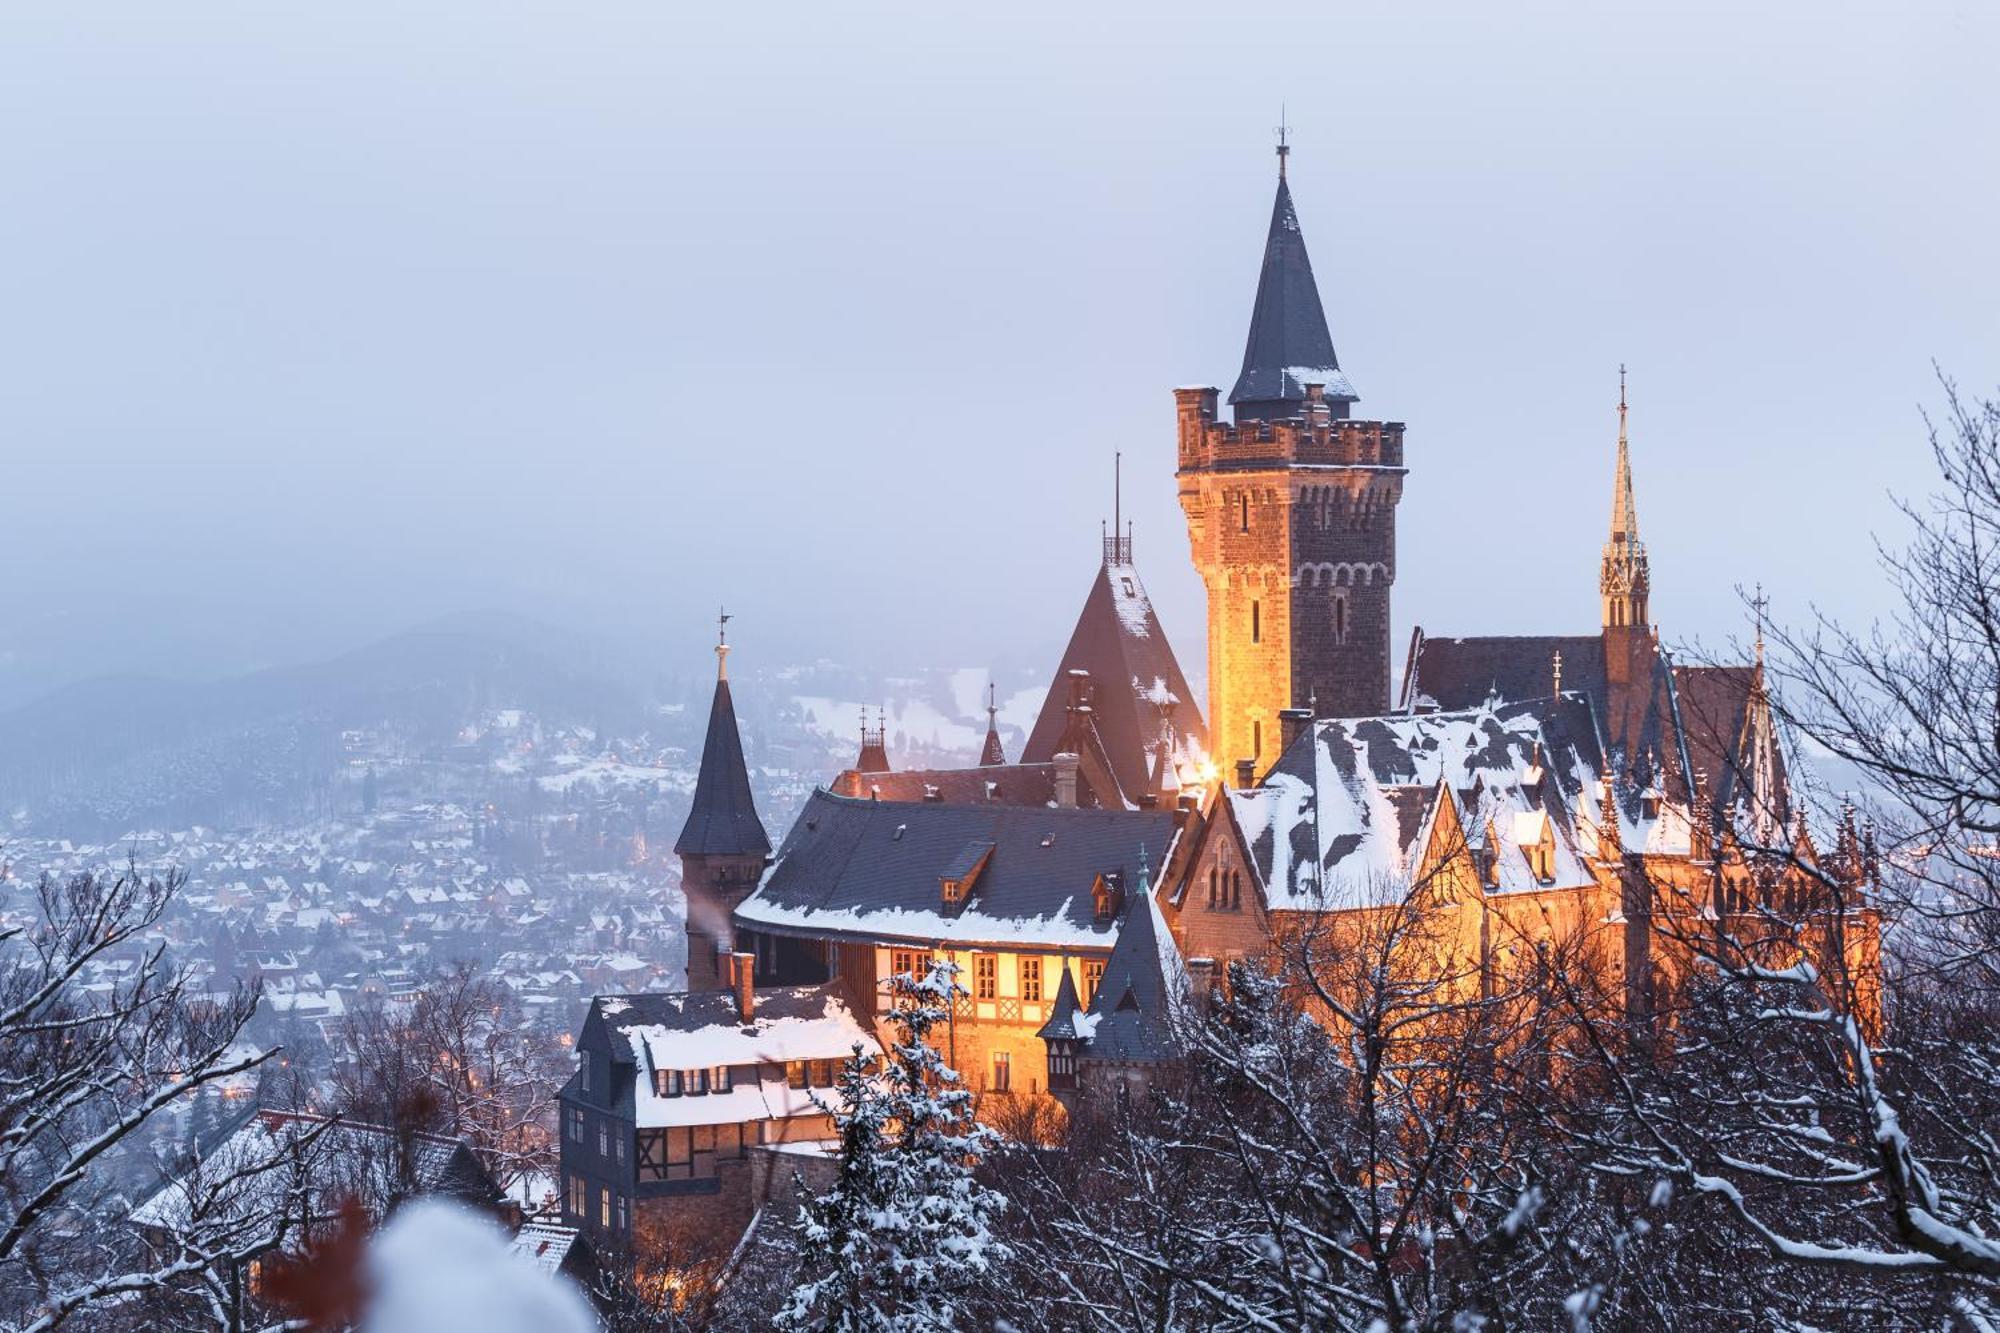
{"points": [[1316, 438]]}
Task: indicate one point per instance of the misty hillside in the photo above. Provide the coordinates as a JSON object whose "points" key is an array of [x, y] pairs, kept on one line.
{"points": [[123, 750]]}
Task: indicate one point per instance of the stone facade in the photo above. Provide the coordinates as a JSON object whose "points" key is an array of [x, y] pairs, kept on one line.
{"points": [[1293, 530]]}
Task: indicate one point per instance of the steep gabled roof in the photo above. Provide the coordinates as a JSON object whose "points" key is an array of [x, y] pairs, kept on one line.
{"points": [[1144, 982], [1138, 693], [723, 820], [1289, 345], [1336, 822]]}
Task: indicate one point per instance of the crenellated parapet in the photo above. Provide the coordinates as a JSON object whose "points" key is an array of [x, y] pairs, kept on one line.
{"points": [[1317, 438]]}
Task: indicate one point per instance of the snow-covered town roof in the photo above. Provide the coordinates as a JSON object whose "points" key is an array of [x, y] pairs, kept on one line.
{"points": [[232, 1178], [702, 1029], [872, 870]]}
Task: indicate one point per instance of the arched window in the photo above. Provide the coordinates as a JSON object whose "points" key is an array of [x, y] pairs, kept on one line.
{"points": [[1212, 874], [1236, 888]]}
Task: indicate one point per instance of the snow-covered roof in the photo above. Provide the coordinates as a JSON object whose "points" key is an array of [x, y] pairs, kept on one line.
{"points": [[872, 869], [1354, 795]]}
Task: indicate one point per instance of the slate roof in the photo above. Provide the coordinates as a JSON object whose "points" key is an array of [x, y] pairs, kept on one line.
{"points": [[1144, 980], [1137, 689], [1637, 724], [1288, 345], [723, 820], [1066, 1020], [867, 869], [1354, 795], [649, 1031], [1714, 706], [1006, 784]]}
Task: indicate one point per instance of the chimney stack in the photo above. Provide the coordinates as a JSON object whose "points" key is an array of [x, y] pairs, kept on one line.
{"points": [[1066, 767], [743, 971], [1246, 773], [1291, 723]]}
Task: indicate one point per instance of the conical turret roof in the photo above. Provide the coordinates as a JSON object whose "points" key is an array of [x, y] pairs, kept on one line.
{"points": [[1289, 346], [724, 819]]}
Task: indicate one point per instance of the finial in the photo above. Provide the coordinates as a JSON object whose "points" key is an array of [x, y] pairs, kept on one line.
{"points": [[1117, 492], [992, 708], [1284, 147], [1757, 604], [1621, 386], [722, 619], [1556, 664]]}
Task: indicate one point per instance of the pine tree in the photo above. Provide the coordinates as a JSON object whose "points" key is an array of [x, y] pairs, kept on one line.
{"points": [[903, 1234]]}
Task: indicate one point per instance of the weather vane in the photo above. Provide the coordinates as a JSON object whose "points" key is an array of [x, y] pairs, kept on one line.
{"points": [[1284, 144]]}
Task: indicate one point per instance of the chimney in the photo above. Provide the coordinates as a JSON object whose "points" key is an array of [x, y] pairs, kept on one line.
{"points": [[1066, 766], [1292, 722], [1201, 982], [1246, 773], [743, 970]]}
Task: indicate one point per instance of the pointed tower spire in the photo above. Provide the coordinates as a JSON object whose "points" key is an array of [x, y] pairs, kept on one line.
{"points": [[993, 754], [1289, 346], [1761, 764], [1624, 576], [723, 818]]}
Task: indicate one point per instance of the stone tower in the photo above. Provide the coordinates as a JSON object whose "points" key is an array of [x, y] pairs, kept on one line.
{"points": [[722, 847], [1291, 512]]}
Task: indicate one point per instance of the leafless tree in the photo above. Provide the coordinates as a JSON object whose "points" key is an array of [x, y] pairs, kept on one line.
{"points": [[99, 1036]]}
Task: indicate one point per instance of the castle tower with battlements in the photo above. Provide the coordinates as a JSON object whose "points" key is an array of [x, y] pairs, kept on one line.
{"points": [[1291, 512]]}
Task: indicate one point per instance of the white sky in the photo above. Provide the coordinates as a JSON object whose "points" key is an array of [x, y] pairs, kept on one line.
{"points": [[318, 321]]}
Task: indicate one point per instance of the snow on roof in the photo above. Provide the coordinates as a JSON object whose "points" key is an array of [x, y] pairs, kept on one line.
{"points": [[1359, 793]]}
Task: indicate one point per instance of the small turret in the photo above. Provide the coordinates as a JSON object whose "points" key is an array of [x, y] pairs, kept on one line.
{"points": [[723, 846], [993, 755], [874, 756]]}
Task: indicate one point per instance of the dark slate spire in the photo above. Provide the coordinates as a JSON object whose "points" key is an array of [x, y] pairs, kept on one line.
{"points": [[1062, 1024], [724, 820], [994, 753], [1144, 981], [1289, 346]]}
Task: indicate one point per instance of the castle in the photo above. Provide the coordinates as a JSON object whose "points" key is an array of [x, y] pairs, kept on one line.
{"points": [[1549, 784]]}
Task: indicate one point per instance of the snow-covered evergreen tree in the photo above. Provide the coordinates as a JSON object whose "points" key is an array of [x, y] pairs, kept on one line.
{"points": [[903, 1234]]}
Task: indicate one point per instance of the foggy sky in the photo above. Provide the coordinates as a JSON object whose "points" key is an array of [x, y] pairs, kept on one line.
{"points": [[317, 321]]}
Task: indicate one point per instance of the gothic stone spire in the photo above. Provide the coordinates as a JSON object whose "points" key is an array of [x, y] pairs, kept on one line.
{"points": [[1625, 577]]}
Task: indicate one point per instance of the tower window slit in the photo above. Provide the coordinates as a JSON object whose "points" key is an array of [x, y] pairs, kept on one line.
{"points": [[1256, 622]]}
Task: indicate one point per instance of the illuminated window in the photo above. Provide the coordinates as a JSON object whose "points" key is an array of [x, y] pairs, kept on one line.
{"points": [[985, 976], [1031, 979], [576, 1203], [667, 1082], [796, 1075], [1093, 972], [604, 1208]]}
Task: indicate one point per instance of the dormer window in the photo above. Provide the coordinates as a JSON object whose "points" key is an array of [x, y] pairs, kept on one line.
{"points": [[1107, 895], [957, 881], [667, 1082], [719, 1078]]}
